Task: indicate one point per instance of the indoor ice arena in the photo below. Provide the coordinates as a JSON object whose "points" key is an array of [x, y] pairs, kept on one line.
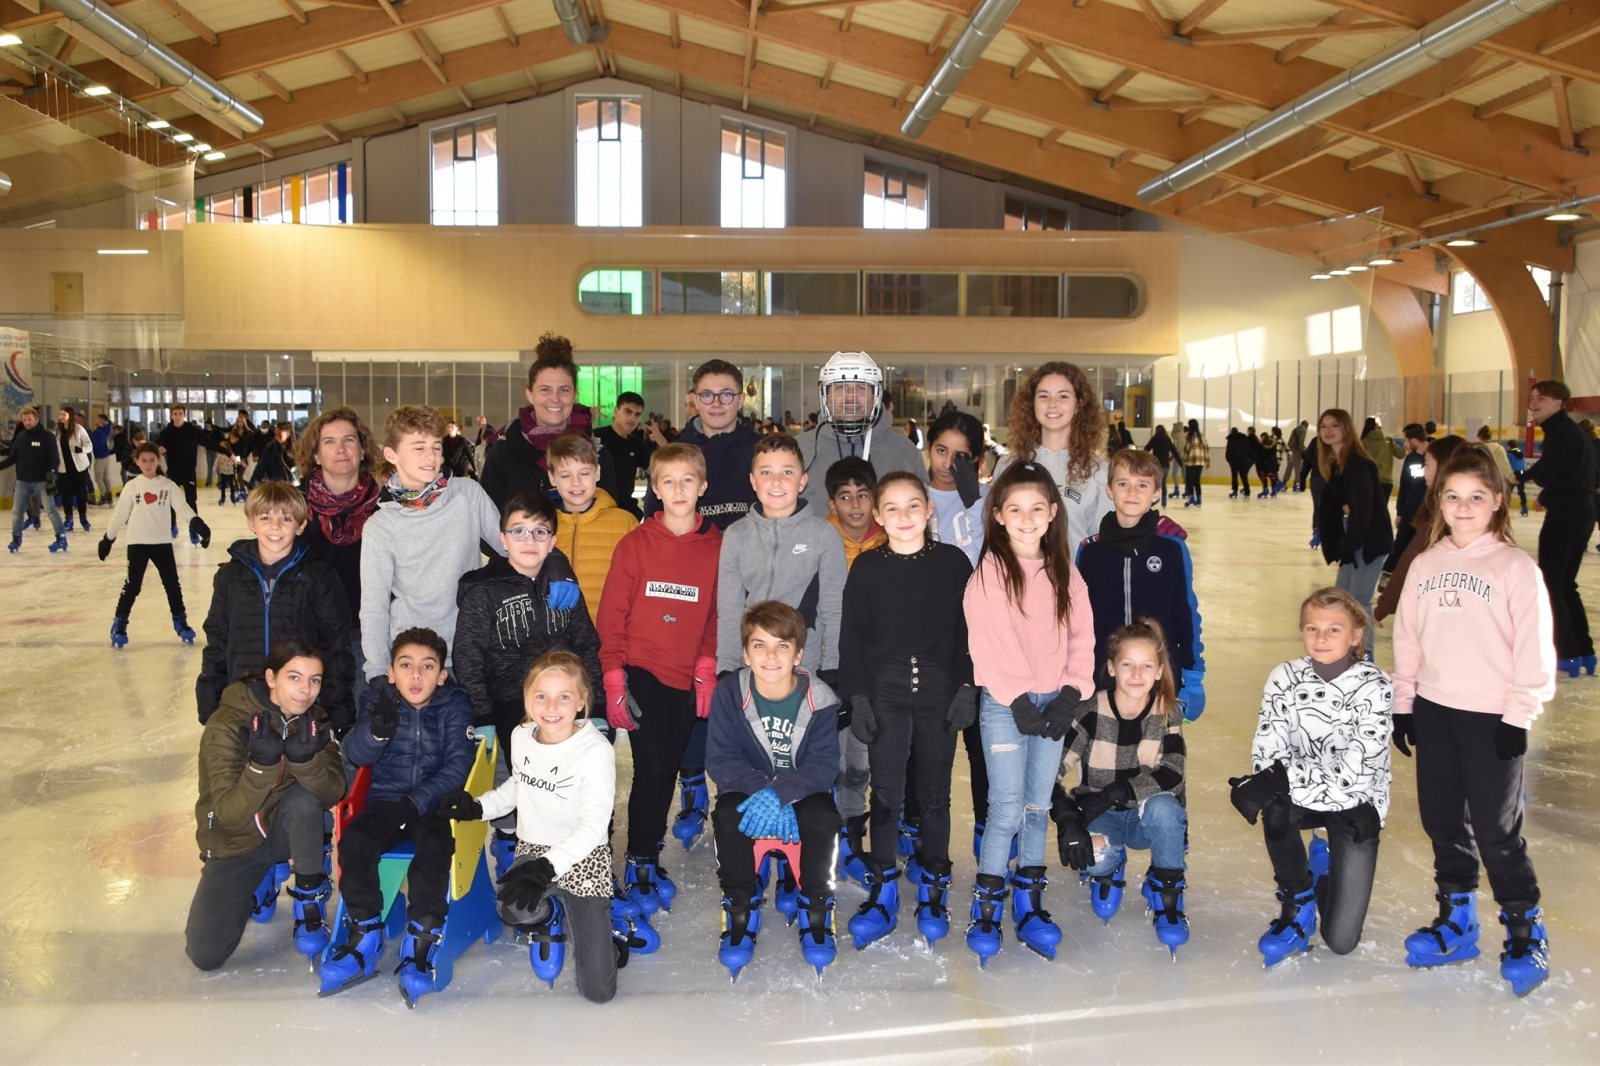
{"points": [[800, 531]]}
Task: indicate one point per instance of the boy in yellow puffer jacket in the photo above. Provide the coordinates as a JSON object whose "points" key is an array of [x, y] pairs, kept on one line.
{"points": [[590, 524]]}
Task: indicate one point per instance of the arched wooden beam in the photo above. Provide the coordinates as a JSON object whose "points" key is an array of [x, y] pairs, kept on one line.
{"points": [[1411, 336], [1518, 303]]}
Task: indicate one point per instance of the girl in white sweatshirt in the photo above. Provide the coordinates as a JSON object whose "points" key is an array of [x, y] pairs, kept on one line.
{"points": [[149, 504], [563, 786], [1474, 662]]}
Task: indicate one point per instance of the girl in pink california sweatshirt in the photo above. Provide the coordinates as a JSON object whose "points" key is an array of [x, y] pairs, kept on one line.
{"points": [[1474, 662]]}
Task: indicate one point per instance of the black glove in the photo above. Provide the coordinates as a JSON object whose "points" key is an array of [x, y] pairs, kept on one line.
{"points": [[1115, 796], [1072, 834], [197, 527], [1510, 741], [104, 548], [863, 723], [1255, 791], [306, 737], [525, 884], [1405, 733], [1363, 822], [963, 710], [965, 471], [828, 677], [1030, 723], [461, 807], [385, 715], [1061, 712], [263, 741]]}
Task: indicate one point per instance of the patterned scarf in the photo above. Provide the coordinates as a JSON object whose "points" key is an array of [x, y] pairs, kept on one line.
{"points": [[342, 516], [420, 498], [581, 420]]}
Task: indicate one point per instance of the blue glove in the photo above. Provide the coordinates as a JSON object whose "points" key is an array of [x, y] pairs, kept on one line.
{"points": [[1193, 700], [760, 814], [563, 596], [788, 826]]}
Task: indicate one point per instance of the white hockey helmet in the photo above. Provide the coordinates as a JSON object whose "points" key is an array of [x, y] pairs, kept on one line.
{"points": [[851, 414]]}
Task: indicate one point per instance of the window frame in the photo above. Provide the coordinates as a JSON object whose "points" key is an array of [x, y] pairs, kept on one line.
{"points": [[888, 167], [601, 99], [786, 142], [454, 126]]}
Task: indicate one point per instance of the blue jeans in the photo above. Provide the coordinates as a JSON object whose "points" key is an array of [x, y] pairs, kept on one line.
{"points": [[1022, 771], [1159, 828], [1360, 579], [21, 496]]}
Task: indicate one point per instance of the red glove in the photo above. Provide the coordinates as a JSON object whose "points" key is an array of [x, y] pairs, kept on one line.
{"points": [[705, 683], [616, 684]]}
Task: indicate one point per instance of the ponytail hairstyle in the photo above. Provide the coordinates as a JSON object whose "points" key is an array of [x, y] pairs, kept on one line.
{"points": [[1057, 552], [563, 662], [1474, 461], [1148, 630]]}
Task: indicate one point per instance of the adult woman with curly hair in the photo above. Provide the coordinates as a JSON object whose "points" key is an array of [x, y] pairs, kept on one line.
{"points": [[1057, 421], [340, 453]]}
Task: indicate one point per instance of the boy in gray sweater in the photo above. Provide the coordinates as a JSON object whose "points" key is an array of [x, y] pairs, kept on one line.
{"points": [[425, 536]]}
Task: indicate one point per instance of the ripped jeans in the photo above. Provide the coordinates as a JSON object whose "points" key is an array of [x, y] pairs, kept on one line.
{"points": [[1022, 771]]}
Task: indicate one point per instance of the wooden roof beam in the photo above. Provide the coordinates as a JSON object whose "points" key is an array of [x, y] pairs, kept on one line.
{"points": [[1312, 33], [936, 42], [1366, 159], [1409, 166], [1115, 85], [1570, 38], [1035, 50], [1441, 96], [1295, 49], [1558, 91], [1054, 66], [1162, 24], [1202, 11], [1515, 98], [388, 9], [505, 26], [295, 11], [190, 22], [329, 132], [976, 117], [350, 65], [428, 53], [274, 86]]}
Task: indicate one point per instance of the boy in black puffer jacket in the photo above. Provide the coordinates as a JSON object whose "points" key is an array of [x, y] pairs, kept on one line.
{"points": [[416, 734], [273, 589]]}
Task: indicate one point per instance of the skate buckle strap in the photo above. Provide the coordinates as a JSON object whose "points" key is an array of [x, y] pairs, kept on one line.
{"points": [[424, 941], [1289, 919], [1433, 931]]}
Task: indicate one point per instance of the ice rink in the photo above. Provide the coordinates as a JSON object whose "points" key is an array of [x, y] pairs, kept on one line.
{"points": [[100, 861]]}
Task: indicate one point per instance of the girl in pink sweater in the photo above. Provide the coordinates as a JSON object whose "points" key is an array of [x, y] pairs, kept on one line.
{"points": [[1474, 662], [1031, 633]]}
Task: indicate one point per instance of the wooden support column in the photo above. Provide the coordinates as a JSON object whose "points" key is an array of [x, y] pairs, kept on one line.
{"points": [[1520, 307], [1398, 310]]}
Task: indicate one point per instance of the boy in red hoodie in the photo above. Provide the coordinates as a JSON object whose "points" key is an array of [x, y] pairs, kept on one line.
{"points": [[658, 643]]}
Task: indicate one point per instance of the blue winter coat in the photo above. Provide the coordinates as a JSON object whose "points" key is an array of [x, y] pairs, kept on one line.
{"points": [[429, 755], [739, 758]]}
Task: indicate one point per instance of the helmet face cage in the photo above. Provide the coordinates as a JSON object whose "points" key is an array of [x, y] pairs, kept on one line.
{"points": [[850, 415]]}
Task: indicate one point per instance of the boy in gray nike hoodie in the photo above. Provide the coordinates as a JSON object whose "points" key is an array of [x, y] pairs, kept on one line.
{"points": [[781, 550]]}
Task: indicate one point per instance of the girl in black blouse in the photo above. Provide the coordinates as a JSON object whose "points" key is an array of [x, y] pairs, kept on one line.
{"points": [[906, 677]]}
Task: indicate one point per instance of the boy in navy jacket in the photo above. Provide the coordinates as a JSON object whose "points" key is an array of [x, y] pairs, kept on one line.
{"points": [[773, 750]]}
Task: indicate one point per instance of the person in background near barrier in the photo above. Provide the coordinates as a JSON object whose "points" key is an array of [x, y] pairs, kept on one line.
{"points": [[1166, 452], [1502, 462], [1565, 474], [180, 444], [104, 467], [855, 421], [35, 454], [1473, 667], [1267, 458], [629, 447], [146, 508], [1056, 421], [277, 457], [1352, 519], [1294, 460], [1196, 457], [1413, 490], [458, 452], [1240, 454], [72, 472], [1383, 451]]}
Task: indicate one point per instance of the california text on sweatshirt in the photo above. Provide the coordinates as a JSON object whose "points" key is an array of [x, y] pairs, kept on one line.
{"points": [[1027, 651], [798, 560], [147, 506], [1474, 632], [563, 793], [659, 608]]}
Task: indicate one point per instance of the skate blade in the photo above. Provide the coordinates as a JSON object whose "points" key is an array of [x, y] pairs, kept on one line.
{"points": [[1051, 955], [1268, 964], [1522, 988], [324, 993]]}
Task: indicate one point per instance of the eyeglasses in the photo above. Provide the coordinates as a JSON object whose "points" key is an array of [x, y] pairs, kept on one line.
{"points": [[725, 397], [522, 533]]}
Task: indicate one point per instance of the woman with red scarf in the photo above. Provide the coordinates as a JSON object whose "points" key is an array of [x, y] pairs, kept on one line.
{"points": [[516, 458], [341, 494]]}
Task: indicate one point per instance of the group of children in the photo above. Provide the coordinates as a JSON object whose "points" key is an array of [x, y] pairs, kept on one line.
{"points": [[833, 663]]}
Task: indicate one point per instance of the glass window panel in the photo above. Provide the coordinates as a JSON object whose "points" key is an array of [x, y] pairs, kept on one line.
{"points": [[709, 292], [609, 186], [1101, 296], [913, 294], [466, 175], [1014, 295], [754, 195], [795, 293], [617, 292], [894, 197]]}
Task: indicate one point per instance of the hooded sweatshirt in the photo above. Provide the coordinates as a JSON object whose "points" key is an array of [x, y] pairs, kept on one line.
{"points": [[1474, 632], [659, 608], [889, 450], [799, 560], [729, 457], [853, 548], [589, 539], [740, 755]]}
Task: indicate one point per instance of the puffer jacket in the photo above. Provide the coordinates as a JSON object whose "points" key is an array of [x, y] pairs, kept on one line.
{"points": [[33, 452], [503, 624], [429, 755], [589, 540], [238, 799], [254, 606]]}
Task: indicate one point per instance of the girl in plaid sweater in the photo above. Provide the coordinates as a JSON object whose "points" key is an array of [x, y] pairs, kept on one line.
{"points": [[1128, 748]]}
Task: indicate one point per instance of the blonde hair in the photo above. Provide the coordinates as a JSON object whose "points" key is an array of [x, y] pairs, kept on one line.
{"points": [[562, 662], [270, 496], [572, 448], [1337, 599], [412, 419], [688, 454]]}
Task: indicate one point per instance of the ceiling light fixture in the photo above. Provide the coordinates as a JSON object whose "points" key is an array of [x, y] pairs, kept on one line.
{"points": [[8, 40], [1322, 277], [183, 138], [1566, 216], [212, 157], [1356, 268], [201, 147], [123, 251], [1461, 242], [1340, 273], [1381, 261], [157, 124], [97, 90]]}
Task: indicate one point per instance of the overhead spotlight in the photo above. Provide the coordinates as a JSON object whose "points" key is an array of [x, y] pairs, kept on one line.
{"points": [[97, 90], [1461, 242], [7, 40], [157, 124], [169, 203], [1322, 277], [1381, 261], [183, 138], [212, 157], [1570, 215]]}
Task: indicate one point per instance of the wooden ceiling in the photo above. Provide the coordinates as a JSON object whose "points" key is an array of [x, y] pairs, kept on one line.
{"points": [[1094, 96]]}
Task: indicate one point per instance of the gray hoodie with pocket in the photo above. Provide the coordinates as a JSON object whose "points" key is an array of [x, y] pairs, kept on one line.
{"points": [[798, 560]]}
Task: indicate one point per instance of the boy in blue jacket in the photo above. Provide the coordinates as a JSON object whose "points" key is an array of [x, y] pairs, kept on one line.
{"points": [[1132, 569], [416, 734], [772, 748]]}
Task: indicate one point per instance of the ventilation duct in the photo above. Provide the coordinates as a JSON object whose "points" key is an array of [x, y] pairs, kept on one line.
{"points": [[134, 41], [986, 22], [576, 25], [1440, 39]]}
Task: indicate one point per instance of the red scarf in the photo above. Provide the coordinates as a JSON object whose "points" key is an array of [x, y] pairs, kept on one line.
{"points": [[580, 421], [342, 516]]}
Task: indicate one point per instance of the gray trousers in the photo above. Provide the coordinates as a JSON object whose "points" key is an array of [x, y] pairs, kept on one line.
{"points": [[222, 904], [854, 775], [589, 944]]}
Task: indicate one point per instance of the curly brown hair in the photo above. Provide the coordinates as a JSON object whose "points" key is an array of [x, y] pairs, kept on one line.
{"points": [[1087, 438], [552, 352], [306, 447]]}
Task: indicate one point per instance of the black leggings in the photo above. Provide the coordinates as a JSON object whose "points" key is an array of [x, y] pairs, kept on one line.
{"points": [[166, 565], [74, 485], [1563, 542], [911, 720], [1191, 481], [1342, 901], [1240, 474], [666, 718]]}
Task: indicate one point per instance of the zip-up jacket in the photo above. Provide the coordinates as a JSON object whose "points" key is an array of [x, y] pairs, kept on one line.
{"points": [[798, 560], [253, 606], [100, 437], [33, 452], [503, 624], [1566, 467], [1474, 632], [659, 608], [1138, 571], [147, 507], [1331, 736], [729, 457], [182, 446], [77, 452], [589, 541], [238, 798], [739, 754], [1353, 514], [889, 450], [429, 755]]}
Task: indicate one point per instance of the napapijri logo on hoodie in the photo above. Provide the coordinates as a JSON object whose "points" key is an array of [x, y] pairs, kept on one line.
{"points": [[799, 549], [671, 590]]}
